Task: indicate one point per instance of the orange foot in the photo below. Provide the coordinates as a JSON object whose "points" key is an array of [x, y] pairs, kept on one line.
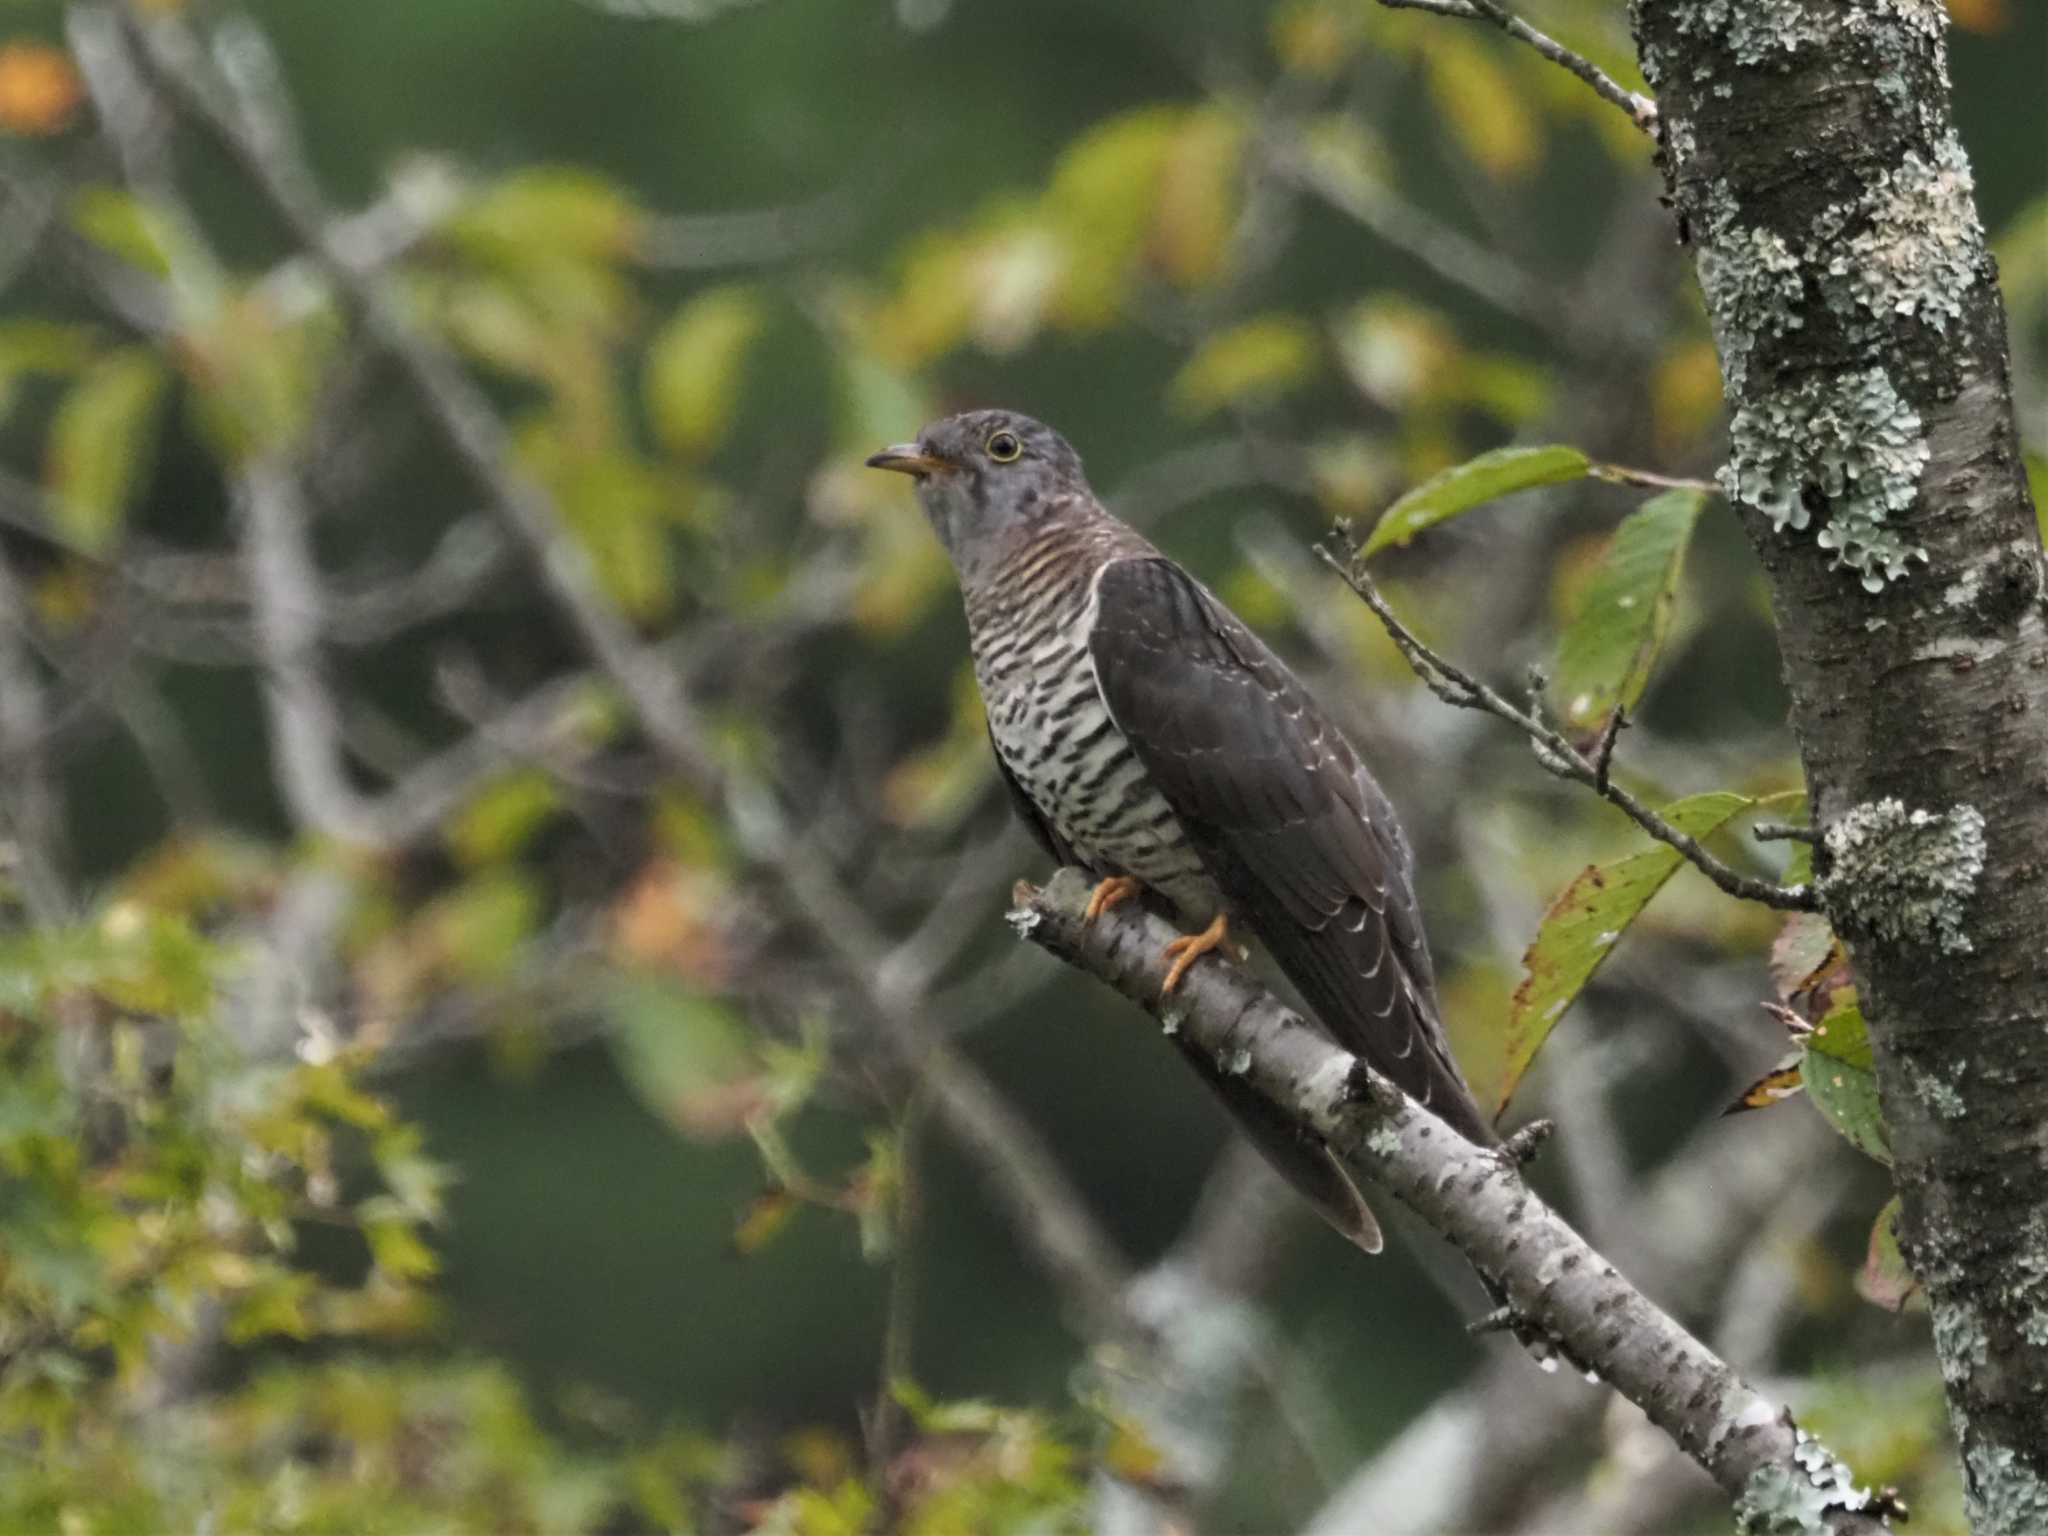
{"points": [[1190, 947], [1108, 893]]}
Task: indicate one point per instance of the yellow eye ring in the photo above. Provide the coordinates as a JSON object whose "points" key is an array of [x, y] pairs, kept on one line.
{"points": [[1003, 447]]}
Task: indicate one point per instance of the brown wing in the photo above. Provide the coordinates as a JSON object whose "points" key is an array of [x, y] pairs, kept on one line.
{"points": [[1285, 817]]}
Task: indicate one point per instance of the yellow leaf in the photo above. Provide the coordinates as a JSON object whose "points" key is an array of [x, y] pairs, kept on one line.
{"points": [[1197, 199], [1133, 1456], [1482, 102], [1685, 395], [618, 508], [933, 306], [1316, 37], [551, 209], [765, 1217], [1258, 359], [1101, 201], [101, 437], [693, 368], [1981, 15]]}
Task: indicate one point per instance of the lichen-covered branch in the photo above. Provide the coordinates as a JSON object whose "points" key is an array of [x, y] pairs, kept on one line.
{"points": [[1812, 160], [1779, 1477]]}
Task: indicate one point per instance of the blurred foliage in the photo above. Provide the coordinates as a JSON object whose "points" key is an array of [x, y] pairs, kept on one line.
{"points": [[400, 1253]]}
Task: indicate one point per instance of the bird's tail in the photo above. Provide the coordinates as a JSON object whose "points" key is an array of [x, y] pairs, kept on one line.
{"points": [[1296, 1156]]}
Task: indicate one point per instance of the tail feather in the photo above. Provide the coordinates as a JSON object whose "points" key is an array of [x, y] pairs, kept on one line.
{"points": [[1309, 1166]]}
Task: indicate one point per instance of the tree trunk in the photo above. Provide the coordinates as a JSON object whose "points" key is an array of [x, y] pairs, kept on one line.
{"points": [[1810, 156]]}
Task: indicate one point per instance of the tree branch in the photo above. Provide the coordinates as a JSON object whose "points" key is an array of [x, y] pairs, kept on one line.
{"points": [[1640, 109], [1459, 688], [1551, 1277]]}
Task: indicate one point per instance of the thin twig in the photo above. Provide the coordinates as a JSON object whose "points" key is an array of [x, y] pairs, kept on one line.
{"points": [[1779, 832], [458, 408], [885, 1420], [1640, 109], [1459, 688], [1450, 254], [1022, 1170], [1649, 480]]}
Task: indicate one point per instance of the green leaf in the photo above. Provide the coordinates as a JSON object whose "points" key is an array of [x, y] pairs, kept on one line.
{"points": [[40, 347], [617, 505], [1885, 1278], [504, 814], [258, 376], [1585, 923], [126, 226], [1608, 651], [1471, 484], [1101, 200], [481, 926], [693, 368], [1839, 1080], [101, 436], [689, 1059], [1480, 101], [551, 210], [1258, 360]]}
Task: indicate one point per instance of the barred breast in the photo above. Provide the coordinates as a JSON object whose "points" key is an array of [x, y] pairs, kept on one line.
{"points": [[1049, 724]]}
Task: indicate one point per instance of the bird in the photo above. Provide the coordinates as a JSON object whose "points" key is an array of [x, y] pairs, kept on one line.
{"points": [[1149, 737]]}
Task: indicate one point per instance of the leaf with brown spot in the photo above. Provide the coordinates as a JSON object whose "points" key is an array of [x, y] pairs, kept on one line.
{"points": [[1780, 1083], [1808, 965], [1884, 1278], [1837, 1072], [1585, 923]]}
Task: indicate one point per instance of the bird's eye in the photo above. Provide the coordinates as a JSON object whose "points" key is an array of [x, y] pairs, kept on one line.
{"points": [[1003, 447]]}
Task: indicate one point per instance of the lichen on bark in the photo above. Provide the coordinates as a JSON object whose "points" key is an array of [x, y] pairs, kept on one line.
{"points": [[1797, 1500], [1846, 441], [1810, 155], [1905, 876]]}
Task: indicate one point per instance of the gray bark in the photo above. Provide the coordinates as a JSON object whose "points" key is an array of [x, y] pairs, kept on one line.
{"points": [[1810, 156], [1779, 1477]]}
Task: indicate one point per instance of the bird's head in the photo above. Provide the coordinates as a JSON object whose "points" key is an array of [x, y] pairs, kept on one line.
{"points": [[983, 476]]}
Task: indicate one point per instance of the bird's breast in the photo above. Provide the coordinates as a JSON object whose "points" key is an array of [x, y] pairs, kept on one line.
{"points": [[1057, 738]]}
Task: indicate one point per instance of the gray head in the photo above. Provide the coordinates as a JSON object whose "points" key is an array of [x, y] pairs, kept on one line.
{"points": [[985, 476]]}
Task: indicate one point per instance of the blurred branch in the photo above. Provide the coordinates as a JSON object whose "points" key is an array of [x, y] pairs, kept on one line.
{"points": [[1472, 1197], [696, 242], [1043, 1204], [1019, 1167], [1462, 690], [305, 726], [1640, 109], [1484, 273], [34, 811], [457, 407]]}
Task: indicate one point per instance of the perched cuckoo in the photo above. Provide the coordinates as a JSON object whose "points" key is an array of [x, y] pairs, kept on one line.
{"points": [[1150, 738]]}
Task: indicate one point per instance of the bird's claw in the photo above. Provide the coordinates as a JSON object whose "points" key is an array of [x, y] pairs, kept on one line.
{"points": [[1190, 947], [1109, 893]]}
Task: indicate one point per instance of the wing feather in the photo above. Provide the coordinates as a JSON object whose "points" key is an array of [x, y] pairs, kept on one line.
{"points": [[1284, 815]]}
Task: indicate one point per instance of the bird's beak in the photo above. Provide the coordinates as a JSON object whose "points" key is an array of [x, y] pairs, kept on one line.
{"points": [[908, 459]]}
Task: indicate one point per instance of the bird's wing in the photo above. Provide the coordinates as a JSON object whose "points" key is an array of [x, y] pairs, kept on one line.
{"points": [[1284, 815]]}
